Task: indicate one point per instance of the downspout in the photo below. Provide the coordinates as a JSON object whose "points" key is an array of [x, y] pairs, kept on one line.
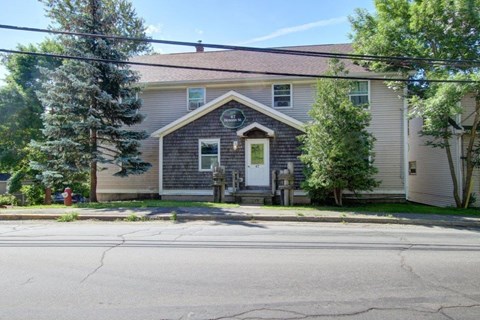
{"points": [[405, 144], [160, 165]]}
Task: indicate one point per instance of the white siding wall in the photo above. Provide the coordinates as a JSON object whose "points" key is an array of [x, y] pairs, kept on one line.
{"points": [[163, 106], [433, 183]]}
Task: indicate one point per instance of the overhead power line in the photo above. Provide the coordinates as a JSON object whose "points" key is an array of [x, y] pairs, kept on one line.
{"points": [[302, 75], [349, 56]]}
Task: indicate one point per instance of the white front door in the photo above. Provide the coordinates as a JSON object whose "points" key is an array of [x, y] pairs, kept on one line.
{"points": [[257, 162]]}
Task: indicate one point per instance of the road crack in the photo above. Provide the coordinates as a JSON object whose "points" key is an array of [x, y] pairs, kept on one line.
{"points": [[294, 315], [29, 280], [405, 266], [104, 253]]}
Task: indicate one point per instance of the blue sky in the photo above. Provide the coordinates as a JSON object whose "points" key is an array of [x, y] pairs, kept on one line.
{"points": [[257, 23]]}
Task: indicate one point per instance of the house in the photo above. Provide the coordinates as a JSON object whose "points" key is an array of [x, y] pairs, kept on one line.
{"points": [[248, 123], [430, 180], [3, 182]]}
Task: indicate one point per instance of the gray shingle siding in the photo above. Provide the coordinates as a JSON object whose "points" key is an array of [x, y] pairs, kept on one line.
{"points": [[180, 149]]}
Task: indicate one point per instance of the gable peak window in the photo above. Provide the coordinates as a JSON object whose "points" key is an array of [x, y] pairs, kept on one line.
{"points": [[282, 95], [195, 98], [359, 93]]}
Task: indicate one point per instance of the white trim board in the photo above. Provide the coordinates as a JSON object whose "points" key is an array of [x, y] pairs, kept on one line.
{"points": [[256, 125]]}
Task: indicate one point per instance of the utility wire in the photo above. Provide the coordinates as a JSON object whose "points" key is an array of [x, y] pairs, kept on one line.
{"points": [[302, 75], [467, 62]]}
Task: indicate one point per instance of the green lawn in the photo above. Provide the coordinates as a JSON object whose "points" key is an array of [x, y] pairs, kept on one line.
{"points": [[154, 203], [379, 208], [391, 208]]}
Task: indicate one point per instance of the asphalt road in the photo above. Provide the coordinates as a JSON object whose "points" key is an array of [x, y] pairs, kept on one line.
{"points": [[161, 270]]}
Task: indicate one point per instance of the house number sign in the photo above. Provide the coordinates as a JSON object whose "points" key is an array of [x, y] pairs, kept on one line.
{"points": [[232, 118]]}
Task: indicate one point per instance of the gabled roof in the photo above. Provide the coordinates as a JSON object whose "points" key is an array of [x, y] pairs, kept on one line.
{"points": [[239, 60], [257, 126], [220, 101]]}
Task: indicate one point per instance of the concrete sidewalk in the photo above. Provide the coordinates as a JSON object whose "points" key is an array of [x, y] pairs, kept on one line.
{"points": [[242, 213]]}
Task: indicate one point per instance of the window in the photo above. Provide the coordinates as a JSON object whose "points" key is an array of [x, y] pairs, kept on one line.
{"points": [[195, 97], [209, 153], [359, 93], [412, 167], [282, 95]]}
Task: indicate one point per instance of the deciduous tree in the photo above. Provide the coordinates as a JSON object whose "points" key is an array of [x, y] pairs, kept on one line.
{"points": [[429, 29]]}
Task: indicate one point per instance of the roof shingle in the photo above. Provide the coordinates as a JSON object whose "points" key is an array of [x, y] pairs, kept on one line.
{"points": [[238, 60]]}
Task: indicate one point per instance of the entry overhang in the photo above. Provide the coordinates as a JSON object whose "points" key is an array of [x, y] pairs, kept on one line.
{"points": [[269, 132]]}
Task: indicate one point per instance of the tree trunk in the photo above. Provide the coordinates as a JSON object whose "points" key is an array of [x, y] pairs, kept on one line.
{"points": [[93, 166], [48, 196], [453, 174], [337, 193], [467, 190]]}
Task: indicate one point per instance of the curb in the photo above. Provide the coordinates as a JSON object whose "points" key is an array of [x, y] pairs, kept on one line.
{"points": [[253, 218]]}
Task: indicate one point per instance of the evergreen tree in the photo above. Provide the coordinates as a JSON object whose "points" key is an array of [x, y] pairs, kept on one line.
{"points": [[337, 148], [89, 106]]}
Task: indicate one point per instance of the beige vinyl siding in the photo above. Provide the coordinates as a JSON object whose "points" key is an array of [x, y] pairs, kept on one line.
{"points": [[386, 108], [144, 183], [162, 106], [3, 187], [468, 106], [432, 184], [303, 95]]}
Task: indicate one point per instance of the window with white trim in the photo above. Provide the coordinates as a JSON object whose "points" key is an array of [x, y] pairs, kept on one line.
{"points": [[282, 95], [412, 168], [208, 153], [359, 93], [195, 98]]}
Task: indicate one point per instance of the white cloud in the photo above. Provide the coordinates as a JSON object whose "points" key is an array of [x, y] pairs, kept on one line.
{"points": [[295, 29], [198, 31], [153, 28]]}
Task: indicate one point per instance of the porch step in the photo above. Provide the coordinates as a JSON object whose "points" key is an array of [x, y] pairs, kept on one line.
{"points": [[258, 197]]}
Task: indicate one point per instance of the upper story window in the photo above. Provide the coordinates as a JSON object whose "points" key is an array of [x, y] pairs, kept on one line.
{"points": [[282, 95], [208, 153], [195, 98], [359, 93]]}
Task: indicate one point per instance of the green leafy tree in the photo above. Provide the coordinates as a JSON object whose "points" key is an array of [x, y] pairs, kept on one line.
{"points": [[337, 148], [89, 106], [434, 29], [20, 109]]}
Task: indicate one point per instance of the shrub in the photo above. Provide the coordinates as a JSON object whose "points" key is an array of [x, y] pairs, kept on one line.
{"points": [[68, 217], [15, 182], [34, 194], [8, 199]]}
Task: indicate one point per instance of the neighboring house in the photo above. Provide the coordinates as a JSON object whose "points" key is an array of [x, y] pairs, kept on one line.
{"points": [[248, 123], [430, 181], [3, 182]]}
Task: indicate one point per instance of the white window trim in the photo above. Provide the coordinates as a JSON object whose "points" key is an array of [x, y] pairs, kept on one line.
{"points": [[368, 94], [188, 97], [410, 168], [273, 95], [200, 153]]}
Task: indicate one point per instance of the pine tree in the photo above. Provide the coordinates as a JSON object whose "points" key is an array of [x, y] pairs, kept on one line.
{"points": [[337, 148], [90, 106]]}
